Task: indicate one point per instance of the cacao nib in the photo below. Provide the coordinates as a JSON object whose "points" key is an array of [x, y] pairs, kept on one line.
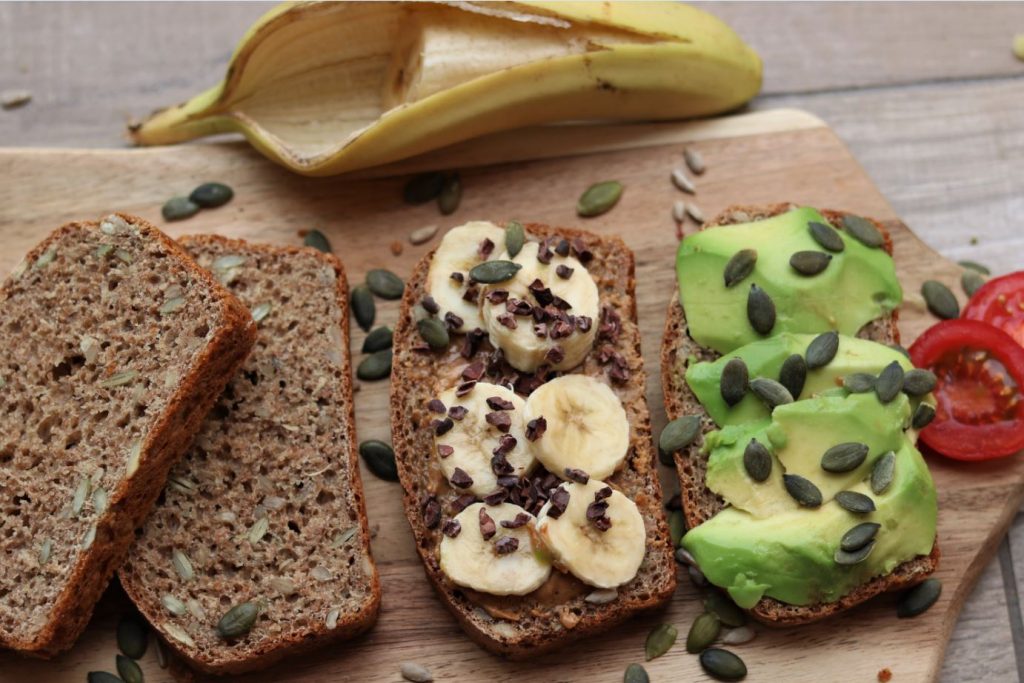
{"points": [[563, 271], [505, 444], [518, 307], [584, 323], [462, 502], [430, 306], [559, 501], [471, 343], [452, 528], [486, 249], [473, 371], [536, 428], [603, 493], [497, 296], [458, 412], [496, 497], [458, 277], [452, 321], [500, 420], [508, 481], [435, 406], [576, 475], [472, 294], [563, 247], [442, 427], [521, 519], [611, 324], [499, 403], [460, 479], [507, 320], [555, 355], [487, 526], [500, 465], [582, 253], [506, 545], [464, 389], [431, 513]]}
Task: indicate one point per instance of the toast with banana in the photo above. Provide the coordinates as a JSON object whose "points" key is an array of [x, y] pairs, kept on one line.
{"points": [[782, 370], [522, 435]]}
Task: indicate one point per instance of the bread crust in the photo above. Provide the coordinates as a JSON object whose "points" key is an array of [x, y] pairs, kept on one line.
{"points": [[699, 502], [317, 634], [413, 384], [134, 496]]}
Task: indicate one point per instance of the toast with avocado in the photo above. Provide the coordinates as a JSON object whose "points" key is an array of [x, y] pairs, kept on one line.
{"points": [[752, 358], [522, 436]]}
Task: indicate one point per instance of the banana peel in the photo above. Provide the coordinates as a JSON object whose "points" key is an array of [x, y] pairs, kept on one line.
{"points": [[330, 87]]}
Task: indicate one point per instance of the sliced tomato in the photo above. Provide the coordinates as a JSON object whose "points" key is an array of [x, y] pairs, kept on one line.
{"points": [[979, 411], [1000, 302]]}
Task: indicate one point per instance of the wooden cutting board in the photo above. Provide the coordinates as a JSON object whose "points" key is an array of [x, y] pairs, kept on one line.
{"points": [[756, 158]]}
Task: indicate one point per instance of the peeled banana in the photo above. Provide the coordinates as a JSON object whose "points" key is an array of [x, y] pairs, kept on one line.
{"points": [[325, 87]]}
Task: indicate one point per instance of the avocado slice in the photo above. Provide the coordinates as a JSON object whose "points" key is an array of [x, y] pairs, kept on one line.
{"points": [[858, 285]]}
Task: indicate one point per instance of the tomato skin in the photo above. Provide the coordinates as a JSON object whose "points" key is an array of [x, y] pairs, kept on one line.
{"points": [[1000, 302], [961, 440]]}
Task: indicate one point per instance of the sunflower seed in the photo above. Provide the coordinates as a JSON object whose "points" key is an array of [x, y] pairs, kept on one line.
{"points": [[99, 501], [677, 434], [739, 636], [423, 235], [316, 239], [103, 250], [601, 596], [283, 585], [258, 530], [771, 392], [179, 208], [417, 673], [119, 379], [975, 266], [636, 674], [173, 605], [171, 305], [178, 633], [918, 599], [695, 212], [859, 536], [851, 557], [757, 461], [129, 670], [515, 237], [722, 664], [102, 677], [679, 211], [380, 459], [423, 187], [760, 310], [81, 493], [859, 383], [161, 655], [889, 382], [923, 416], [321, 573], [385, 284], [331, 620], [918, 382], [660, 640], [694, 160], [863, 230], [697, 577], [379, 339], [855, 502], [344, 537], [803, 491], [940, 300], [822, 350], [238, 620], [131, 637], [844, 457], [676, 526], [971, 282], [809, 262], [13, 99], [434, 332], [599, 198], [703, 632], [211, 195], [89, 537], [683, 182], [375, 366], [724, 608], [793, 374], [734, 381], [261, 311], [739, 266], [45, 259], [882, 472], [363, 307], [826, 236], [492, 272], [684, 557], [45, 550], [182, 565]]}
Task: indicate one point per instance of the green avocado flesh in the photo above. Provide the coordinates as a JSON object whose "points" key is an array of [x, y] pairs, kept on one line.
{"points": [[764, 358], [858, 285]]}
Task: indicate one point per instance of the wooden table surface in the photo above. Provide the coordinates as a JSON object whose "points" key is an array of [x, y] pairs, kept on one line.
{"points": [[928, 97]]}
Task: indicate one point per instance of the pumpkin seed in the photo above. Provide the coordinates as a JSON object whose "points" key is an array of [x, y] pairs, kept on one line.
{"points": [[725, 609], [211, 195], [316, 239], [423, 187], [378, 340], [734, 381], [923, 416], [129, 670], [683, 182], [131, 637], [417, 673], [102, 677], [863, 230], [492, 272], [182, 565], [179, 208], [739, 636], [684, 557], [451, 194], [676, 526], [739, 266], [385, 284], [173, 605], [844, 457], [380, 459], [852, 557], [859, 383], [238, 620], [697, 577], [918, 599], [855, 502], [809, 262], [722, 664], [975, 266], [760, 310], [703, 632], [422, 235], [882, 472], [599, 198], [941, 301], [363, 307], [375, 366], [889, 382], [826, 236], [433, 332], [636, 674], [515, 237], [660, 640], [859, 536], [694, 160], [918, 382], [971, 282], [771, 392], [793, 374], [677, 434], [803, 491], [822, 350], [757, 461]]}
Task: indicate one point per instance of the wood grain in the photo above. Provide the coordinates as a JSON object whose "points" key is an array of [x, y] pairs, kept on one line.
{"points": [[362, 216]]}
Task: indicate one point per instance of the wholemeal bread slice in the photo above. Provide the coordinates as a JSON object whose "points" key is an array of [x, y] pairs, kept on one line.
{"points": [[267, 506], [115, 345], [699, 502], [558, 612]]}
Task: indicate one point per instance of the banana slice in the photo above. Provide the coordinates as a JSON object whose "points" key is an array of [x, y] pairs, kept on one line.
{"points": [[586, 426], [599, 536], [468, 438], [565, 336], [458, 252], [484, 554]]}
